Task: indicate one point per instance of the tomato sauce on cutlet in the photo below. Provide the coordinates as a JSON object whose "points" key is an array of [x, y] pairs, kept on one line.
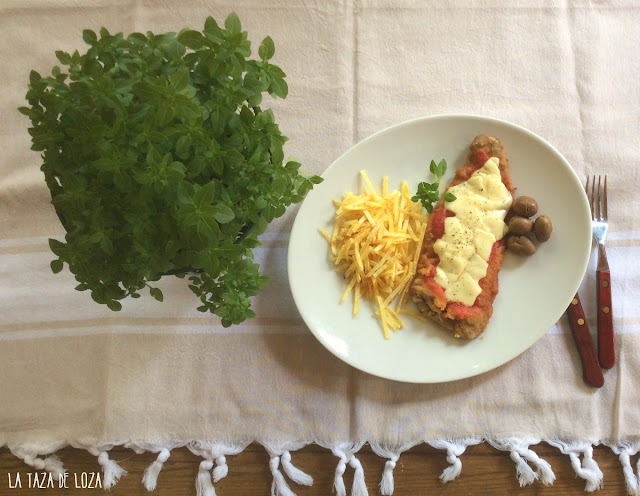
{"points": [[440, 213]]}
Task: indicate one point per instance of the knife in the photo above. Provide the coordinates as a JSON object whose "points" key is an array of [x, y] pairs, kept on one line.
{"points": [[590, 366]]}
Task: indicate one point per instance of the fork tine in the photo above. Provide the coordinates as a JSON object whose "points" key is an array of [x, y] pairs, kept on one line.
{"points": [[605, 198], [599, 201], [586, 190], [593, 197]]}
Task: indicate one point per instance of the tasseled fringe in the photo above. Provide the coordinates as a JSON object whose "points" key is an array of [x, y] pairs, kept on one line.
{"points": [[524, 472], [280, 453], [110, 469], [588, 469], [529, 466], [520, 453], [454, 448], [346, 453], [29, 455], [625, 450], [221, 470], [112, 472], [211, 451], [150, 476], [294, 473], [393, 455], [204, 486], [359, 487], [151, 473], [543, 469], [386, 483], [279, 486], [338, 481]]}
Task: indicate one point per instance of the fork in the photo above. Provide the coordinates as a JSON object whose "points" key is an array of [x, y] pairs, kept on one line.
{"points": [[599, 220]]}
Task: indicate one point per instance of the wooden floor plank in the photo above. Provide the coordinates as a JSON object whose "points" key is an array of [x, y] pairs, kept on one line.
{"points": [[485, 472]]}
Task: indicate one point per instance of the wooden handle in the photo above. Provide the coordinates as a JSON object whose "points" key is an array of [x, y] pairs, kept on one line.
{"points": [[590, 367], [606, 345]]}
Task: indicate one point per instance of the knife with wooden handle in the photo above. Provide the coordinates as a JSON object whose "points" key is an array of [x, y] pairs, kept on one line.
{"points": [[590, 366]]}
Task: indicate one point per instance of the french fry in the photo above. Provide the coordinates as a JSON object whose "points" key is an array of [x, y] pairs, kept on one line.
{"points": [[375, 245]]}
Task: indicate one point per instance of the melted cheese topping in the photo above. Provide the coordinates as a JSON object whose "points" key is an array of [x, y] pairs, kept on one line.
{"points": [[480, 207]]}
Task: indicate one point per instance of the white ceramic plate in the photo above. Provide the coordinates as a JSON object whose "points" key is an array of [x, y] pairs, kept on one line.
{"points": [[534, 292]]}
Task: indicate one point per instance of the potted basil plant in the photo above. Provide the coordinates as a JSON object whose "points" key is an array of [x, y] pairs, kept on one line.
{"points": [[160, 160]]}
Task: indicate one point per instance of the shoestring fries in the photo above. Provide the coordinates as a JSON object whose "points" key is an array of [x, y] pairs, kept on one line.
{"points": [[376, 244]]}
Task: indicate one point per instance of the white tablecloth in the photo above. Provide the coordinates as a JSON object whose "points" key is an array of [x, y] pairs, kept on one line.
{"points": [[155, 376]]}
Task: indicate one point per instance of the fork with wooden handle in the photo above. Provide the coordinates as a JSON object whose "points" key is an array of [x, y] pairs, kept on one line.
{"points": [[599, 220], [580, 329]]}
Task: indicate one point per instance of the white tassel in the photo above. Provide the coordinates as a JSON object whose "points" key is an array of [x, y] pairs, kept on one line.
{"points": [[204, 486], [590, 464], [279, 486], [393, 455], [520, 453], [543, 469], [51, 464], [294, 473], [453, 470], [150, 476], [280, 453], [630, 479], [455, 448], [359, 487], [625, 450], [588, 469], [386, 483], [338, 481], [221, 470], [524, 472], [111, 470], [345, 451], [213, 451]]}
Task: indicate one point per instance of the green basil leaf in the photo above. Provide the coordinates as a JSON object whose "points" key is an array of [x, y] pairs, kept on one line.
{"points": [[144, 90], [279, 87], [212, 30], [232, 23], [89, 37], [56, 246], [267, 49], [179, 80], [205, 195], [116, 306], [156, 293], [191, 39], [224, 214], [207, 228], [63, 57], [56, 265]]}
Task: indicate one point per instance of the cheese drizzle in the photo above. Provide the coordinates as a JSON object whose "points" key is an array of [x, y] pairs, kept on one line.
{"points": [[480, 208]]}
